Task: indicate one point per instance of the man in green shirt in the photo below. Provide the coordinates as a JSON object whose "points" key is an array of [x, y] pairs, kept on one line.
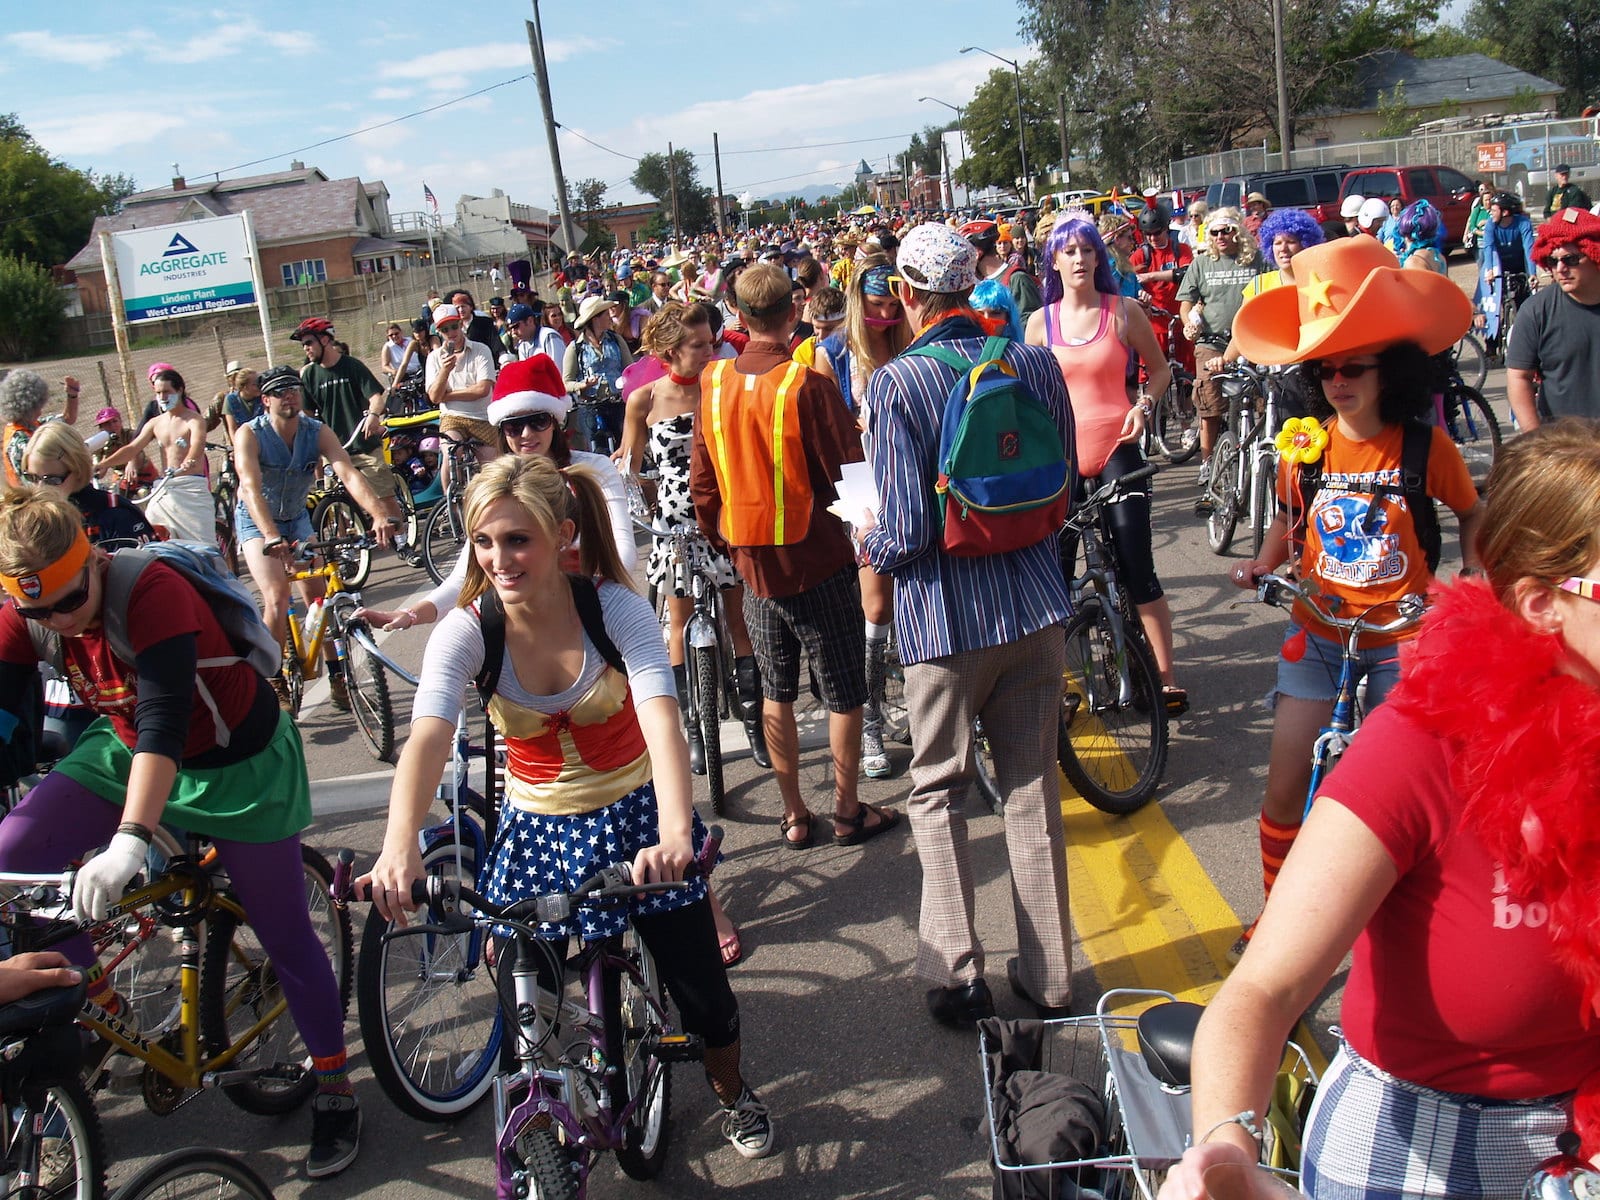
{"points": [[1565, 193]]}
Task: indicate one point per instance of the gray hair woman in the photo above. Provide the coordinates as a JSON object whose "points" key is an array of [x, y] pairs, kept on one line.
{"points": [[23, 395]]}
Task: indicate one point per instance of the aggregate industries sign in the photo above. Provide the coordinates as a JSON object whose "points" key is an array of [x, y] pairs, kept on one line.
{"points": [[179, 270]]}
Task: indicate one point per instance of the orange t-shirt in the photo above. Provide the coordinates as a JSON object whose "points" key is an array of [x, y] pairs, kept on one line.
{"points": [[1359, 545]]}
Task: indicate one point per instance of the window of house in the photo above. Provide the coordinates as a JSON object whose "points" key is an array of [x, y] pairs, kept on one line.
{"points": [[306, 271]]}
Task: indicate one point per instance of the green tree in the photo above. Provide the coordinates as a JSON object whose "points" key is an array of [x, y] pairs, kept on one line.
{"points": [[31, 308], [1395, 117], [653, 177], [993, 151], [1553, 38], [48, 207]]}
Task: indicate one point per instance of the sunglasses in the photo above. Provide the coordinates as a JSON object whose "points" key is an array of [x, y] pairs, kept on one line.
{"points": [[1563, 260], [1221, 230], [1321, 370], [70, 603], [46, 480], [538, 422], [1589, 589]]}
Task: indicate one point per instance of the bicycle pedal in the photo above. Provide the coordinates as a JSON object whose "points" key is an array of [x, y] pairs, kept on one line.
{"points": [[676, 1047]]}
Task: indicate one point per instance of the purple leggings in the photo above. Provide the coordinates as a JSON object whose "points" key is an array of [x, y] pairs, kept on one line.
{"points": [[60, 819]]}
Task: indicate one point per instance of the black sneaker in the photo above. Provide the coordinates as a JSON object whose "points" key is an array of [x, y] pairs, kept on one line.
{"points": [[747, 1124], [335, 1134]]}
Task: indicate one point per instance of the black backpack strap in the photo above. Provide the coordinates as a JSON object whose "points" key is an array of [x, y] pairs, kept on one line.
{"points": [[492, 625], [587, 597], [1414, 450]]}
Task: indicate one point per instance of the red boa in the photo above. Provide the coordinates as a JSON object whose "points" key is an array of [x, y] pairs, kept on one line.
{"points": [[1525, 744]]}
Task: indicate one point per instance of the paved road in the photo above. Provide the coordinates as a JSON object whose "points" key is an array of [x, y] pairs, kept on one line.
{"points": [[872, 1098]]}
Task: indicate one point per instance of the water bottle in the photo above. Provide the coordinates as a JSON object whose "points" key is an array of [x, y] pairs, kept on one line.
{"points": [[314, 615]]}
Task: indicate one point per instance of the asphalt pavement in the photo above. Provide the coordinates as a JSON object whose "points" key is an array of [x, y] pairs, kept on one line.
{"points": [[871, 1098]]}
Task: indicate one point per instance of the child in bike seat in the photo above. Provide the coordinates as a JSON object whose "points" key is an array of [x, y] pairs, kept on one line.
{"points": [[597, 766]]}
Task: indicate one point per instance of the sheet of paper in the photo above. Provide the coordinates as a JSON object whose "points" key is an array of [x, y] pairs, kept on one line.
{"points": [[858, 492]]}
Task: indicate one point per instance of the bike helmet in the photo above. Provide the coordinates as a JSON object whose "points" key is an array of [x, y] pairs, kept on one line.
{"points": [[982, 234], [1153, 219], [1508, 202], [312, 325], [277, 379]]}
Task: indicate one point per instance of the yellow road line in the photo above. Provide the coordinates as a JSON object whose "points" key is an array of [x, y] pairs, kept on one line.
{"points": [[1146, 911]]}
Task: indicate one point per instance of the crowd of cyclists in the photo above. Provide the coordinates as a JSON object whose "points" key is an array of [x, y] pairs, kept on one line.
{"points": [[741, 373]]}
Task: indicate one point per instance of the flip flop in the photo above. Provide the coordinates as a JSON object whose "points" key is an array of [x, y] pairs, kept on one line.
{"points": [[1176, 700], [860, 831], [732, 952], [809, 821]]}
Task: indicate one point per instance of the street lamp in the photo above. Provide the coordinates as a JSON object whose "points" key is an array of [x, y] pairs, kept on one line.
{"points": [[1022, 140], [961, 132]]}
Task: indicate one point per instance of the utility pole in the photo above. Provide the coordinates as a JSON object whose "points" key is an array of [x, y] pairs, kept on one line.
{"points": [[716, 154], [1285, 137], [1066, 153], [672, 182], [542, 78]]}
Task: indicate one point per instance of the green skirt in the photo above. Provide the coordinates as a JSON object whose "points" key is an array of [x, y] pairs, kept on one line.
{"points": [[265, 798]]}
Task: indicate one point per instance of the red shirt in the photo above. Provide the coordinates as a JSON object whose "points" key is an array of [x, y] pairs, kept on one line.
{"points": [[163, 606], [1454, 984], [1150, 257]]}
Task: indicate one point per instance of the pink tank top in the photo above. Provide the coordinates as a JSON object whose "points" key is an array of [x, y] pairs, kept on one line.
{"points": [[1097, 385]]}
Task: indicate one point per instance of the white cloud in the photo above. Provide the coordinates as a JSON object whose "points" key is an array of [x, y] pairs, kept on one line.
{"points": [[100, 132], [445, 70], [392, 93], [75, 49], [230, 36]]}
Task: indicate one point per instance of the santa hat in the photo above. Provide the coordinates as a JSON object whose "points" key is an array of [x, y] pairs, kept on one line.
{"points": [[530, 386]]}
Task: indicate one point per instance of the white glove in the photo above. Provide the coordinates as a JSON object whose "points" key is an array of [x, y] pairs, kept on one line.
{"points": [[101, 880]]}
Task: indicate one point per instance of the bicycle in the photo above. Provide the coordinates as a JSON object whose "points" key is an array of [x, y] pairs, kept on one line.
{"points": [[1138, 1066], [604, 439], [445, 531], [1173, 427], [226, 1025], [1334, 738], [331, 615], [1112, 742], [196, 1173], [224, 496], [1244, 462], [430, 1016], [1465, 415], [591, 1075], [336, 517], [1470, 360]]}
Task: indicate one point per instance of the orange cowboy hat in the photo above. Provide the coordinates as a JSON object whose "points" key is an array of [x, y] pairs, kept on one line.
{"points": [[1350, 295]]}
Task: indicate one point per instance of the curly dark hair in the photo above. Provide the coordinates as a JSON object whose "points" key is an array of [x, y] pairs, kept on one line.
{"points": [[1407, 380]]}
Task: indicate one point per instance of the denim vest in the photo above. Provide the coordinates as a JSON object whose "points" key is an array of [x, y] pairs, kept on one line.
{"points": [[604, 362], [287, 476]]}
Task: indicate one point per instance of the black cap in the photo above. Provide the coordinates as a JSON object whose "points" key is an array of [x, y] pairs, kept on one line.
{"points": [[1563, 169]]}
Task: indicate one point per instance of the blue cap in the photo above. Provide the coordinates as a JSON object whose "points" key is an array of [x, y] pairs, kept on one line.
{"points": [[518, 312]]}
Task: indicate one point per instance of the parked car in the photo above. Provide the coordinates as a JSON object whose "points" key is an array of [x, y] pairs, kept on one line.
{"points": [[1315, 189], [1446, 188]]}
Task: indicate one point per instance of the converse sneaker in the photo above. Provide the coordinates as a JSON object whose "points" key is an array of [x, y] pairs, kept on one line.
{"points": [[748, 1126], [875, 763], [335, 1134]]}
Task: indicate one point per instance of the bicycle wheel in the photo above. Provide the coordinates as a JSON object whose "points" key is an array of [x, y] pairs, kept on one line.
{"points": [[1263, 501], [1475, 430], [442, 539], [337, 517], [227, 536], [708, 688], [1113, 750], [197, 1173], [430, 1016], [1471, 360], [410, 522], [294, 677], [983, 769], [55, 1136], [896, 721], [1177, 424], [547, 1162], [239, 987], [645, 1077], [369, 691], [1224, 488]]}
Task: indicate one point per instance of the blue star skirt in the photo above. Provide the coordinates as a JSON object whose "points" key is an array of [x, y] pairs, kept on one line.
{"points": [[538, 855]]}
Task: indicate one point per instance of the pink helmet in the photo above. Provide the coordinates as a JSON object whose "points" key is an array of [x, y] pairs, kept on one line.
{"points": [[429, 443]]}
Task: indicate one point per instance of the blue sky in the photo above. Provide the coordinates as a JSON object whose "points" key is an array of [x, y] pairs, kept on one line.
{"points": [[137, 87]]}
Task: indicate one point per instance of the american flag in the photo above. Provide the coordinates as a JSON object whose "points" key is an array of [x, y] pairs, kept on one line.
{"points": [[427, 194]]}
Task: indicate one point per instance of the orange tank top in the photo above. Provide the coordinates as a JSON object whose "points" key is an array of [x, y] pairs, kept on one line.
{"points": [[1096, 372]]}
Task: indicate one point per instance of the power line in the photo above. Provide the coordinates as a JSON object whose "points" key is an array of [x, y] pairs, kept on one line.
{"points": [[886, 137], [370, 128], [592, 142]]}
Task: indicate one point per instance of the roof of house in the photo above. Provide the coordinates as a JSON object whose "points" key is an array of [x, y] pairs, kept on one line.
{"points": [[286, 207], [1434, 81], [369, 246]]}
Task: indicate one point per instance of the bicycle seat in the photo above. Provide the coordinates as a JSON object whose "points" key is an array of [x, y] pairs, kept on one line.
{"points": [[1166, 1039], [44, 1009]]}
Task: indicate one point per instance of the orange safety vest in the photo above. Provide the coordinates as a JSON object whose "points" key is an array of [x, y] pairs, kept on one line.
{"points": [[752, 425]]}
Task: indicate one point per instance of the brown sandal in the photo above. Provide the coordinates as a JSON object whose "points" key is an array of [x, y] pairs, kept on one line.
{"points": [[809, 821], [860, 831]]}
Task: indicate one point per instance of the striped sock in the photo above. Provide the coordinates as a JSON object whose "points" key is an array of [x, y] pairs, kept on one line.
{"points": [[101, 992], [333, 1075], [1276, 840]]}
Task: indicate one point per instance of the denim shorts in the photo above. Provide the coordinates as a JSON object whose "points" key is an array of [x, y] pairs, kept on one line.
{"points": [[296, 530], [1316, 675]]}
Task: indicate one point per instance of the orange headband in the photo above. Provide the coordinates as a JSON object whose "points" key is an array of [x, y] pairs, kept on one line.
{"points": [[26, 589]]}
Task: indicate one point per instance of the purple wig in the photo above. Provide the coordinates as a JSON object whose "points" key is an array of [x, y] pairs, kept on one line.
{"points": [[1419, 225], [1295, 222], [1075, 229]]}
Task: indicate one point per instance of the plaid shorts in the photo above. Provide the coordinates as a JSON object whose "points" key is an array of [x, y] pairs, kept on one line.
{"points": [[826, 621]]}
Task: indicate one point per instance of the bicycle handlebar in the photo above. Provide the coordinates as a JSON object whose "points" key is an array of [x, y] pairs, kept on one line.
{"points": [[1107, 492], [1281, 593]]}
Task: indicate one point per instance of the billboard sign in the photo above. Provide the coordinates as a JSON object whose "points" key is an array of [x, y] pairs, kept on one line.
{"points": [[179, 270]]}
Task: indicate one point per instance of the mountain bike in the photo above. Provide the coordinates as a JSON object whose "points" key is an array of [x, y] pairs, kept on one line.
{"points": [[53, 1147], [1465, 415], [1112, 742], [430, 1016], [1470, 360], [444, 533], [1173, 427], [1244, 463], [335, 516], [329, 617], [593, 1073], [1335, 736], [196, 1173]]}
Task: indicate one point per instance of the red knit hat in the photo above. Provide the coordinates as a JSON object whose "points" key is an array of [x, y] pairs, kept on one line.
{"points": [[1570, 227], [530, 386]]}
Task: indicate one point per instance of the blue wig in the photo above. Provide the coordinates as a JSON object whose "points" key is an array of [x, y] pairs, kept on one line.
{"points": [[1419, 226], [992, 294], [1075, 229], [1295, 222]]}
